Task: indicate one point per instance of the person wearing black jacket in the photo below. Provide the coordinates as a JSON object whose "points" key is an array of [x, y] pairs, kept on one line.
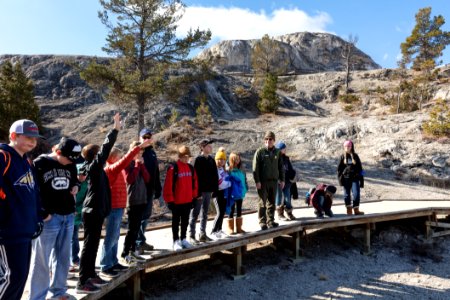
{"points": [[56, 175], [208, 183], [351, 177], [96, 206], [153, 189]]}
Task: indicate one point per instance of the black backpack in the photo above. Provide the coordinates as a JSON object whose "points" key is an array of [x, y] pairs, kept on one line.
{"points": [[175, 175]]}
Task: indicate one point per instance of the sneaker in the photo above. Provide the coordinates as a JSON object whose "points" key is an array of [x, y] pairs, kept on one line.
{"points": [[128, 261], [272, 224], [109, 273], [97, 281], [318, 214], [185, 244], [329, 213], [74, 268], [193, 241], [222, 234], [177, 245], [119, 268], [145, 247], [63, 297], [263, 226], [137, 257], [87, 288], [215, 236], [204, 238]]}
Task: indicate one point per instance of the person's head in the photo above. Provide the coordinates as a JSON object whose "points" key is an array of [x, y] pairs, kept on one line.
{"points": [[269, 139], [281, 146], [115, 155], [234, 161], [330, 190], [145, 134], [23, 135], [348, 147], [221, 157], [135, 144], [184, 153], [89, 152], [205, 146], [67, 151]]}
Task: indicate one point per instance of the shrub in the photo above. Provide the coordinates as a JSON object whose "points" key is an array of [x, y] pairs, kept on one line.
{"points": [[349, 99], [439, 123], [203, 116], [174, 116]]}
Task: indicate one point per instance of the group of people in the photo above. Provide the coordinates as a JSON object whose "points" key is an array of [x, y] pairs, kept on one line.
{"points": [[44, 201]]}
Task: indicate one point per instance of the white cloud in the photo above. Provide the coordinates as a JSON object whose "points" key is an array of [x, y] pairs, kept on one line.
{"points": [[385, 56], [398, 29], [237, 23]]}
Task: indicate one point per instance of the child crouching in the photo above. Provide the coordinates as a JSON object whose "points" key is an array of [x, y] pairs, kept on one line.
{"points": [[180, 188]]}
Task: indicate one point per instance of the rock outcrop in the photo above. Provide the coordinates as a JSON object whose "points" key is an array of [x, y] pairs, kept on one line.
{"points": [[306, 52]]}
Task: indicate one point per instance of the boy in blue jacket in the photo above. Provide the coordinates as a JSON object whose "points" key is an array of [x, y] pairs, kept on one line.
{"points": [[20, 208]]}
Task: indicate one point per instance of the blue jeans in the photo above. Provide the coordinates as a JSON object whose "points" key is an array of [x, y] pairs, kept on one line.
{"points": [[352, 187], [286, 193], [55, 239], [145, 218], [108, 256], [201, 207], [75, 258]]}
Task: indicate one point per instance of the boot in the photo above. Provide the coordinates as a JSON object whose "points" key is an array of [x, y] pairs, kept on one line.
{"points": [[349, 210], [280, 213], [239, 221], [357, 211], [290, 216], [230, 229]]}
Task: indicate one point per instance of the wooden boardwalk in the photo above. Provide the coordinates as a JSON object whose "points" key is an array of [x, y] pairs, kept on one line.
{"points": [[377, 211]]}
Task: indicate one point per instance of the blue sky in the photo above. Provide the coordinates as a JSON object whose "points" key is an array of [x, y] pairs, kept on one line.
{"points": [[72, 26]]}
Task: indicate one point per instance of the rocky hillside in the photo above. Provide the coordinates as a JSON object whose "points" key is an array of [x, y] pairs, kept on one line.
{"points": [[306, 52]]}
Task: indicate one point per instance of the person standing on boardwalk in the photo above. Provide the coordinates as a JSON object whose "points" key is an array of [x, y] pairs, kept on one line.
{"points": [[268, 173], [96, 207], [56, 174], [153, 188], [283, 198], [208, 178], [351, 177], [20, 208]]}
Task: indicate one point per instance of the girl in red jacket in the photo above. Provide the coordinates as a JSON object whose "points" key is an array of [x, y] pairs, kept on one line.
{"points": [[180, 188], [109, 264]]}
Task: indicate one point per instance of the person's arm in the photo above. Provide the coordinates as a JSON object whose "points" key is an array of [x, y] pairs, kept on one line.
{"points": [[131, 172], [145, 173], [195, 191], [124, 162], [255, 169], [281, 173], [108, 143], [168, 184]]}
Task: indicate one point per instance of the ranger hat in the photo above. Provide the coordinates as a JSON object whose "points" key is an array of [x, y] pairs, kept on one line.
{"points": [[269, 134]]}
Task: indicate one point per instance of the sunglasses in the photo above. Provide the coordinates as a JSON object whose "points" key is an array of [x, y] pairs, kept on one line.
{"points": [[147, 136], [268, 139]]}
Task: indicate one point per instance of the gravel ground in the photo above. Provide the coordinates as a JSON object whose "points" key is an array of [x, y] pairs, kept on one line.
{"points": [[400, 266]]}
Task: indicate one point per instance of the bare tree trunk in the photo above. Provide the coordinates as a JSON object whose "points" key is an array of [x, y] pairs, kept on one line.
{"points": [[398, 100]]}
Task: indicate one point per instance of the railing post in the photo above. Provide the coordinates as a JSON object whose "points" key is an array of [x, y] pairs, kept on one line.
{"points": [[366, 250], [136, 283], [297, 257], [237, 253]]}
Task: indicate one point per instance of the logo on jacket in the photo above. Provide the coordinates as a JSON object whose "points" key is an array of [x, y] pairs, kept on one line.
{"points": [[26, 180], [60, 183]]}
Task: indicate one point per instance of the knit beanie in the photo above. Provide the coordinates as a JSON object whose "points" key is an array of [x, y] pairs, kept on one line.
{"points": [[221, 154], [348, 143]]}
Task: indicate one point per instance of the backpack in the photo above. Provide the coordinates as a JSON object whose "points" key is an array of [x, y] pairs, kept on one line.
{"points": [[175, 175]]}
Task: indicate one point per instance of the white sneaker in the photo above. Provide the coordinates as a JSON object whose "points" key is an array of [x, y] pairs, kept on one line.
{"points": [[215, 236], [185, 244], [223, 235], [177, 245]]}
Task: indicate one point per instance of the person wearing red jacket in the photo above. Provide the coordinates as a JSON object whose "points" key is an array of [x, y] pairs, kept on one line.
{"points": [[180, 188], [109, 264]]}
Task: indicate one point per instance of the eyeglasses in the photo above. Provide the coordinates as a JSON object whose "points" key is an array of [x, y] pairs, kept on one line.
{"points": [[147, 136], [268, 139]]}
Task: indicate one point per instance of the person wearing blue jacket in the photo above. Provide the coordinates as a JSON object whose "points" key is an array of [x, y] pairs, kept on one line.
{"points": [[237, 193], [20, 208]]}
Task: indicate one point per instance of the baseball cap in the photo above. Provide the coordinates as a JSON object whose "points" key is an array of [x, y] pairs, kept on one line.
{"points": [[330, 189], [25, 127], [144, 132], [205, 142], [280, 145], [69, 148]]}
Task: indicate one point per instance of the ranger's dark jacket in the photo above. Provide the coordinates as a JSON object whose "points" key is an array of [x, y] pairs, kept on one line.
{"points": [[151, 163]]}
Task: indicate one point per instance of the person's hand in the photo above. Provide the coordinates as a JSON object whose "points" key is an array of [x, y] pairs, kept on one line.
{"points": [[139, 160], [258, 185], [117, 123], [48, 218], [281, 184], [171, 205], [146, 143], [81, 177], [74, 190]]}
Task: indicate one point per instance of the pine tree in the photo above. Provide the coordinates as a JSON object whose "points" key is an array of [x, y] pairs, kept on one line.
{"points": [[269, 100], [426, 43], [16, 98], [142, 39]]}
